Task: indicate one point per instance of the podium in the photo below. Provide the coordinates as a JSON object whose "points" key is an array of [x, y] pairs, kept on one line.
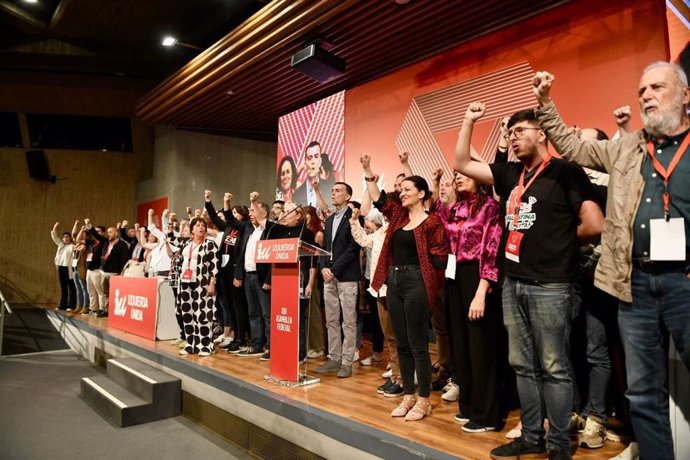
{"points": [[286, 255]]}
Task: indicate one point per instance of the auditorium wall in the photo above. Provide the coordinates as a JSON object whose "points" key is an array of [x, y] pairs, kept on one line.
{"points": [[99, 185], [596, 50]]}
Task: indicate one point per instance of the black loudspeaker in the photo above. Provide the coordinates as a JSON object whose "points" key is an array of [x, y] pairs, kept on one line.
{"points": [[38, 166], [317, 63]]}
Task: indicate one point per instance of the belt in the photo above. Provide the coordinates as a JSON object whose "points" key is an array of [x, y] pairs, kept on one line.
{"points": [[405, 268], [660, 266], [250, 273]]}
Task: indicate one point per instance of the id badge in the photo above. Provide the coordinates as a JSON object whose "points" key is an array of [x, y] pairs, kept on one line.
{"points": [[224, 260], [450, 266], [667, 239], [74, 263], [187, 275], [89, 257], [513, 246]]}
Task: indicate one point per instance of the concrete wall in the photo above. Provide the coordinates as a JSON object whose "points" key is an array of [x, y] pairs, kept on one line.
{"points": [[187, 163]]}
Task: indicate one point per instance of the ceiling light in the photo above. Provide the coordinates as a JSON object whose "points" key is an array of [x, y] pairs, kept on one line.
{"points": [[30, 1], [169, 41]]}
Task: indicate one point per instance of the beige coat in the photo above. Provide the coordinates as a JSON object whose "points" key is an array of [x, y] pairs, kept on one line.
{"points": [[622, 159]]}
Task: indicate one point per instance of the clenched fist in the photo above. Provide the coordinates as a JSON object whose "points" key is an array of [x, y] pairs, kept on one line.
{"points": [[542, 82], [475, 111]]}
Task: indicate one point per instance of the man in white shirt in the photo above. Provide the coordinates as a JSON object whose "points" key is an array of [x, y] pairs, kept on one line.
{"points": [[63, 262]]}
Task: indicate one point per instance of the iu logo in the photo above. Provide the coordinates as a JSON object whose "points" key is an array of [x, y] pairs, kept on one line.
{"points": [[263, 253], [120, 307]]}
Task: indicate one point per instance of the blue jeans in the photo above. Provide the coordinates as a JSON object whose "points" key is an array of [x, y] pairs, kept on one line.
{"points": [[82, 292], [538, 318], [659, 301], [259, 304]]}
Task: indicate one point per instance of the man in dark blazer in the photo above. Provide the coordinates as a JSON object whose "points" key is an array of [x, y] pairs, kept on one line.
{"points": [[341, 274]]}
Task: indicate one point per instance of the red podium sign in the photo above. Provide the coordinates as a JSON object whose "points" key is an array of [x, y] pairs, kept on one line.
{"points": [[133, 304], [283, 254]]}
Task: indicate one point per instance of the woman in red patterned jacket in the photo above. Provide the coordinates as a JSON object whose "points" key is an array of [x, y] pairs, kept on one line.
{"points": [[411, 264]]}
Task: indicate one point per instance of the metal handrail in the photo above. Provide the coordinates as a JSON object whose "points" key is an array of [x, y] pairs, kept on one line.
{"points": [[4, 307]]}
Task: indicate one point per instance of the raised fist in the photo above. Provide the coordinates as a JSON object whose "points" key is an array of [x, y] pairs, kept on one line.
{"points": [[55, 227], [622, 116], [438, 173], [404, 157], [254, 197], [365, 159], [475, 111], [542, 82], [151, 211], [87, 221], [227, 197], [504, 126], [207, 195], [355, 212], [189, 210], [125, 223]]}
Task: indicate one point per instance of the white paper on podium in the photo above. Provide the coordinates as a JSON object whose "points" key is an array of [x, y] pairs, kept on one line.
{"points": [[667, 239]]}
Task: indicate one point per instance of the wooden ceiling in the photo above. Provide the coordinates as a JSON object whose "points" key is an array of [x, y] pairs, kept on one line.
{"points": [[244, 82]]}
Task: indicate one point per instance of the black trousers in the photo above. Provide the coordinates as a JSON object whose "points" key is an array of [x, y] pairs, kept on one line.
{"points": [[68, 291], [376, 332], [227, 316], [475, 347]]}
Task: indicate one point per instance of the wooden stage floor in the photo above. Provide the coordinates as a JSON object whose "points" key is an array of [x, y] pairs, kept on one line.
{"points": [[356, 399]]}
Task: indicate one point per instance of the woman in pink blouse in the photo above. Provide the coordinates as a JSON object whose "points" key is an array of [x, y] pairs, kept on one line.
{"points": [[474, 226]]}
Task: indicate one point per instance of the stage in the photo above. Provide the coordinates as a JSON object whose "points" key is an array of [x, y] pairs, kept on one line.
{"points": [[336, 418]]}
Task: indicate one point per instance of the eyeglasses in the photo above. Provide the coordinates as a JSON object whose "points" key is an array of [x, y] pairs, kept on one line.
{"points": [[518, 132]]}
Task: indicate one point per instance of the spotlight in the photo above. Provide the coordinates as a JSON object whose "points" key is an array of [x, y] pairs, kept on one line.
{"points": [[169, 41]]}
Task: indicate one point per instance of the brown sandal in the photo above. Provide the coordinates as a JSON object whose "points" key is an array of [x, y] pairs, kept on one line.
{"points": [[419, 411], [404, 407]]}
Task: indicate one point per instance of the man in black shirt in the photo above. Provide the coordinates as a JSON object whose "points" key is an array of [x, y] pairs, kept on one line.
{"points": [[114, 256], [549, 205]]}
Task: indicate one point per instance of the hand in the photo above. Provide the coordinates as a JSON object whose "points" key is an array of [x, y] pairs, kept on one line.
{"points": [[151, 212], [438, 174], [404, 157], [165, 212], [188, 210], [327, 274], [136, 226], [254, 197], [207, 195], [365, 159], [227, 197], [503, 129], [76, 222], [125, 223], [87, 222], [476, 308], [211, 290], [307, 290], [55, 227], [475, 111], [542, 82], [355, 212], [118, 225], [237, 283], [266, 287], [622, 116], [504, 126]]}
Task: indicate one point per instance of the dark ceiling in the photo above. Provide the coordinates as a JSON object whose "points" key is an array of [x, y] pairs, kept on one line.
{"points": [[243, 81], [112, 37]]}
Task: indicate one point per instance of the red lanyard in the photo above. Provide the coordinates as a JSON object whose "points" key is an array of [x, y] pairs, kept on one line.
{"points": [[666, 173], [191, 249], [514, 206]]}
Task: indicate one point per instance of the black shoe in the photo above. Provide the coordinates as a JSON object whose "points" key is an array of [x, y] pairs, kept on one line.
{"points": [[438, 384], [472, 427], [557, 454], [102, 314], [266, 356], [519, 449], [380, 390], [462, 417], [393, 390], [234, 347]]}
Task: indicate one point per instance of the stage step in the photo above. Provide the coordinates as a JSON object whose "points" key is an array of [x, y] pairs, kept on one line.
{"points": [[132, 393]]}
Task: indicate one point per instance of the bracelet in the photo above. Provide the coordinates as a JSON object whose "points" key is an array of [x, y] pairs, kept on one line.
{"points": [[370, 179]]}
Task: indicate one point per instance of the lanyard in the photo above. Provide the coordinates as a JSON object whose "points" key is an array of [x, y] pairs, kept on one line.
{"points": [[514, 207], [191, 249], [666, 173]]}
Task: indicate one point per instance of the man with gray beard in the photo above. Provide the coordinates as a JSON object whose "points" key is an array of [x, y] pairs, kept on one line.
{"points": [[645, 246]]}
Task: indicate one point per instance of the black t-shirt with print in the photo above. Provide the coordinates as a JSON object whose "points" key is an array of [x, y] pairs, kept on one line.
{"points": [[548, 221]]}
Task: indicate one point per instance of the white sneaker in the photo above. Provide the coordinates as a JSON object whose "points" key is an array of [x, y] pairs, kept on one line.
{"points": [[448, 386], [182, 344], [373, 359], [313, 354], [515, 432], [224, 343], [452, 395], [388, 374], [219, 339], [632, 452]]}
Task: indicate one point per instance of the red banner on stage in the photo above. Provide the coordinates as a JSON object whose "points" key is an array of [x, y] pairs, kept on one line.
{"points": [[132, 305], [277, 251]]}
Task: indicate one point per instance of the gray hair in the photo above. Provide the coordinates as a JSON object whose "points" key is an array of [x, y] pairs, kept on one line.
{"points": [[677, 70]]}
